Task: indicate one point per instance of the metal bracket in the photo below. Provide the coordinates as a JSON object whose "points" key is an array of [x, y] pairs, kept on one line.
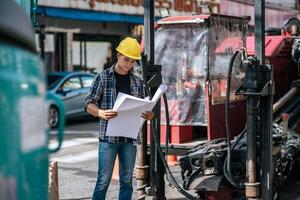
{"points": [[153, 75], [264, 92]]}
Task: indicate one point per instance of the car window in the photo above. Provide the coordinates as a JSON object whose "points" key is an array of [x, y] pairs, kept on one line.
{"points": [[87, 81], [53, 80], [72, 83]]}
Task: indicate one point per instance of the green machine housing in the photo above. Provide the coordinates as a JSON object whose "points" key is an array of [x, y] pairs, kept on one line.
{"points": [[24, 153]]}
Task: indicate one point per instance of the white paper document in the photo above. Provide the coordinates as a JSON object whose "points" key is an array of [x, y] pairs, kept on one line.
{"points": [[129, 108]]}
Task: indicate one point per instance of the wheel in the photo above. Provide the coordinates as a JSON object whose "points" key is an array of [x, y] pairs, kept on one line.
{"points": [[53, 117]]}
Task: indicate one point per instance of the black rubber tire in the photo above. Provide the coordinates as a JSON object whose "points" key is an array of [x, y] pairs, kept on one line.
{"points": [[53, 117]]}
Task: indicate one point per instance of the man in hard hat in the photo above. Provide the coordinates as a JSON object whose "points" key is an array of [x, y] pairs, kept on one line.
{"points": [[99, 103]]}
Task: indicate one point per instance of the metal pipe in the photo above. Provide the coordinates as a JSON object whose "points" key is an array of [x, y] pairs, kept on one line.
{"points": [[288, 108], [141, 167], [294, 115], [251, 140], [284, 99], [252, 191], [285, 120]]}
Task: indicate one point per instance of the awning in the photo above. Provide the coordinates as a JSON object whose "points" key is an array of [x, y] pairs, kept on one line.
{"points": [[77, 14]]}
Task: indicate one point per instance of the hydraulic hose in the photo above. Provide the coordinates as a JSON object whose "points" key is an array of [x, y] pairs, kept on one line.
{"points": [[172, 180], [170, 177], [167, 124], [227, 163], [232, 148], [148, 93]]}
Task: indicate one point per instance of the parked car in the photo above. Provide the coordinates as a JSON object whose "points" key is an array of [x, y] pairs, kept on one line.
{"points": [[72, 87]]}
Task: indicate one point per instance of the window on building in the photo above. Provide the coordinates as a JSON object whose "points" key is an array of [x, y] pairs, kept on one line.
{"points": [[90, 55]]}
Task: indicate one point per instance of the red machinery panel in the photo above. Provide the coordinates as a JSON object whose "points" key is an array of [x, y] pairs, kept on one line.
{"points": [[224, 193], [216, 117], [278, 53], [178, 134]]}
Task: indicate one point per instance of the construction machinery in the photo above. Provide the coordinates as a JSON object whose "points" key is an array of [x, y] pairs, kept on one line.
{"points": [[196, 71], [220, 85], [24, 153], [204, 168]]}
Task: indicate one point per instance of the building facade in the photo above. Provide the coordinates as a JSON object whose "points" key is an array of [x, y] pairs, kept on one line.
{"points": [[83, 34], [276, 11]]}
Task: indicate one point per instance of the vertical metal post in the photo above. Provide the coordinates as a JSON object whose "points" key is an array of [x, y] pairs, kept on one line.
{"points": [[157, 185], [266, 137], [141, 167], [260, 30], [266, 104], [53, 188], [85, 56], [69, 47], [80, 52], [149, 30], [42, 37], [252, 186]]}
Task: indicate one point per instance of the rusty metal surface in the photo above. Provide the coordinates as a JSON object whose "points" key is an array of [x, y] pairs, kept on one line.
{"points": [[252, 190]]}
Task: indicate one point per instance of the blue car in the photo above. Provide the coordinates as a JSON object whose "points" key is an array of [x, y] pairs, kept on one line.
{"points": [[72, 87]]}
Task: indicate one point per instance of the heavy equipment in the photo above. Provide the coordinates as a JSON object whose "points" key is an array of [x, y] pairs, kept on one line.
{"points": [[221, 84], [195, 52], [24, 153]]}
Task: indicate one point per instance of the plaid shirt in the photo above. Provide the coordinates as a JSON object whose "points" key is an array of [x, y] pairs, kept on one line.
{"points": [[103, 94]]}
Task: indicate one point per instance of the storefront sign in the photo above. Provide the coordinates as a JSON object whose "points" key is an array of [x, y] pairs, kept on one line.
{"points": [[176, 7]]}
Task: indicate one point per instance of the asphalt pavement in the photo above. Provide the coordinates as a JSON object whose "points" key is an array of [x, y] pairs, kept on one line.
{"points": [[77, 165]]}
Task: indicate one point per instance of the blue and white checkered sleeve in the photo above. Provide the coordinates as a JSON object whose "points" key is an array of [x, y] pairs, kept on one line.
{"points": [[95, 92]]}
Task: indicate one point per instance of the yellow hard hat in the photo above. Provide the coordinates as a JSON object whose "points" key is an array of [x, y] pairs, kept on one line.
{"points": [[130, 48]]}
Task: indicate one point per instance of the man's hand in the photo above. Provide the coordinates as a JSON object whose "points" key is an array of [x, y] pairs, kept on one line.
{"points": [[148, 115], [107, 114]]}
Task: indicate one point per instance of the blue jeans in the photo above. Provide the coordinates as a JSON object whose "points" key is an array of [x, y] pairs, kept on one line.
{"points": [[107, 155]]}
